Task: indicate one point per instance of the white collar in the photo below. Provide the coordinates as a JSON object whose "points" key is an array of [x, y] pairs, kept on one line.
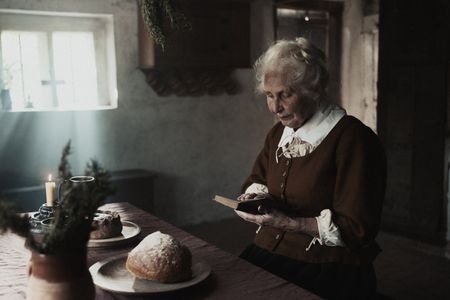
{"points": [[317, 127]]}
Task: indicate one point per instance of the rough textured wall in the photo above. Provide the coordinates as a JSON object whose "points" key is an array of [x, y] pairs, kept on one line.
{"points": [[196, 146]]}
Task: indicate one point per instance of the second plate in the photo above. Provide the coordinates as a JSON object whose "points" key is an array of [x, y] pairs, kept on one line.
{"points": [[130, 231]]}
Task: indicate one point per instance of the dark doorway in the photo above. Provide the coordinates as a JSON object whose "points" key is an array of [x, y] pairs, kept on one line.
{"points": [[318, 21]]}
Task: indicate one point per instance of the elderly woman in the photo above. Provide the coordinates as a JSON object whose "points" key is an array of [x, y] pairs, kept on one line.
{"points": [[327, 167]]}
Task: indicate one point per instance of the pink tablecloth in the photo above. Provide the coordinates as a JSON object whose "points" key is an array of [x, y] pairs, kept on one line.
{"points": [[231, 277]]}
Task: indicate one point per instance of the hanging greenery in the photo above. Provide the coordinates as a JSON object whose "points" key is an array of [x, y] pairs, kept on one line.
{"points": [[153, 13]]}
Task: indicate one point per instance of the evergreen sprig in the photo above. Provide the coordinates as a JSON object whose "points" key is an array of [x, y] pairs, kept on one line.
{"points": [[71, 226], [153, 13], [72, 223], [103, 187], [10, 220], [78, 204], [64, 165]]}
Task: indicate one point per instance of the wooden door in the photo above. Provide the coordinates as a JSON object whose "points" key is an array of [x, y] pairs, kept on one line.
{"points": [[412, 88]]}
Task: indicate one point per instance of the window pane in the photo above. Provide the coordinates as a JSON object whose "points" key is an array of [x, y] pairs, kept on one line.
{"points": [[56, 61], [25, 63], [75, 69]]}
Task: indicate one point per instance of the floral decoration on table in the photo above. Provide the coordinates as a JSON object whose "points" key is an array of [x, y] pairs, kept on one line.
{"points": [[71, 226], [153, 13]]}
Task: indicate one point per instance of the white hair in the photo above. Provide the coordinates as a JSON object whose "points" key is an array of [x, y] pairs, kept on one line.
{"points": [[300, 64]]}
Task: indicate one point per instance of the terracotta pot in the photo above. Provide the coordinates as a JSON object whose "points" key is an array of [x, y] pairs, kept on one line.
{"points": [[62, 277]]}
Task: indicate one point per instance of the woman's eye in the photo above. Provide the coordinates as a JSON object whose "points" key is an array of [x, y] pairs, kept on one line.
{"points": [[285, 95]]}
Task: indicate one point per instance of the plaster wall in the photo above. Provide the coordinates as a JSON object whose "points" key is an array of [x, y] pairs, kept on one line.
{"points": [[196, 146], [359, 63]]}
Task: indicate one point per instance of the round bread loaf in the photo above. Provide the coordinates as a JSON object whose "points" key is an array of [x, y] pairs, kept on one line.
{"points": [[106, 224], [161, 258]]}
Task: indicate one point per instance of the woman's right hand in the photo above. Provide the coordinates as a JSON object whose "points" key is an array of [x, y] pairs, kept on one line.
{"points": [[248, 196]]}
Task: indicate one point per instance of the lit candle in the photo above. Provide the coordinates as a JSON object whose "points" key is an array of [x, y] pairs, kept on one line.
{"points": [[50, 190]]}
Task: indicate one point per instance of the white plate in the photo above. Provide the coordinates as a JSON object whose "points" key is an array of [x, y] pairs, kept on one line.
{"points": [[130, 230], [111, 275]]}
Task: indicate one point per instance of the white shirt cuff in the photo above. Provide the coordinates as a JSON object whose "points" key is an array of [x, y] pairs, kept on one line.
{"points": [[257, 188], [328, 231]]}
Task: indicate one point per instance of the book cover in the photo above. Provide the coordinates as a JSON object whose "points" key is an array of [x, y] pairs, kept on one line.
{"points": [[251, 205]]}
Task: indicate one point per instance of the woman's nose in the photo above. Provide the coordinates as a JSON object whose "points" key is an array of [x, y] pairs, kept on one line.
{"points": [[275, 106]]}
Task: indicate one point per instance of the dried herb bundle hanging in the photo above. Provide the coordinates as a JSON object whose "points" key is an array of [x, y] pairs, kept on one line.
{"points": [[153, 13]]}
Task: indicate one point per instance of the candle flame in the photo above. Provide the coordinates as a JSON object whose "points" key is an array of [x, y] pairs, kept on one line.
{"points": [[49, 177]]}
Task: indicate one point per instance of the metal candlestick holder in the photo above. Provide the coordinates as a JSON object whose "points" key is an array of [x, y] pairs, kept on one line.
{"points": [[40, 221]]}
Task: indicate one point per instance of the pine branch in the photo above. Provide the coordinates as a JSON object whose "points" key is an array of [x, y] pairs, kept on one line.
{"points": [[73, 218], [71, 225], [10, 220], [103, 187], [64, 166]]}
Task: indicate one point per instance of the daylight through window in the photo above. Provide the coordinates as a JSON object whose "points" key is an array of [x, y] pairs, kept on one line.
{"points": [[56, 62]]}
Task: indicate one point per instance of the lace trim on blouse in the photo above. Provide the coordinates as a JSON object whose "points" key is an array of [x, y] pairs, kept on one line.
{"points": [[296, 148], [329, 234], [300, 142]]}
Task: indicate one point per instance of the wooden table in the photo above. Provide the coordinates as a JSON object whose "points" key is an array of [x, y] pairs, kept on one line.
{"points": [[231, 277]]}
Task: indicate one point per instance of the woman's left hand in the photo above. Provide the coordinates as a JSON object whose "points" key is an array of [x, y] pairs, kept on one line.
{"points": [[272, 218]]}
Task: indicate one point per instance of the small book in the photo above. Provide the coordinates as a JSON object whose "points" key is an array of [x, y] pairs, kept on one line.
{"points": [[251, 205]]}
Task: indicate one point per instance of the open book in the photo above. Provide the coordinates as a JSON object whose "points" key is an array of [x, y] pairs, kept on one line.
{"points": [[251, 205]]}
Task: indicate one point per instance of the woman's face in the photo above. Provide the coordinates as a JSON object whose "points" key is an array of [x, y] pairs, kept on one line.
{"points": [[286, 104]]}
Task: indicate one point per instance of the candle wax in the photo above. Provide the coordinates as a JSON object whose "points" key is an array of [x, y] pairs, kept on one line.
{"points": [[50, 192]]}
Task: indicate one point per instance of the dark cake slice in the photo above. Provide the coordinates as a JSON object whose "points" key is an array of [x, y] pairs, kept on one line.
{"points": [[106, 224]]}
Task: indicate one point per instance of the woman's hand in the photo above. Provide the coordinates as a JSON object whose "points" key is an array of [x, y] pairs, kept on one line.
{"points": [[277, 219], [272, 218], [249, 196]]}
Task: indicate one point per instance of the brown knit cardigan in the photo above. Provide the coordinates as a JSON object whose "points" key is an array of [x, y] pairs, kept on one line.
{"points": [[346, 173]]}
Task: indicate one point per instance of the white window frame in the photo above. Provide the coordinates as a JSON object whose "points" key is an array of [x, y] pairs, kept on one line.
{"points": [[102, 27]]}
